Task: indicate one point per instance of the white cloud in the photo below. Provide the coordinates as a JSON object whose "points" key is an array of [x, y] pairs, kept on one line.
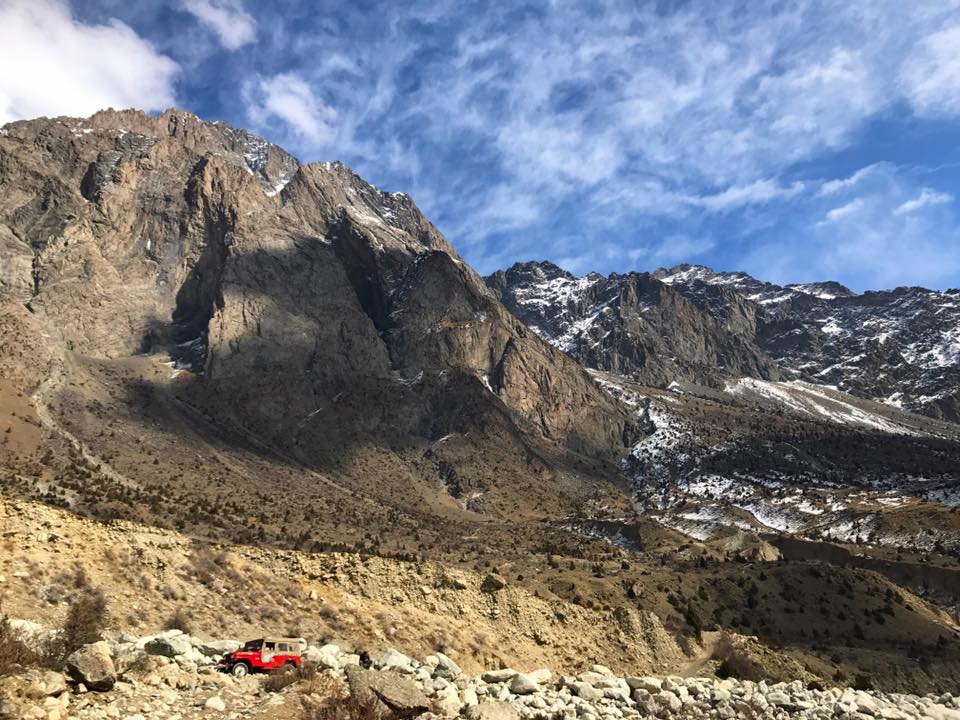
{"points": [[931, 75], [737, 196], [926, 198], [289, 98], [55, 65], [839, 213], [832, 187], [226, 18]]}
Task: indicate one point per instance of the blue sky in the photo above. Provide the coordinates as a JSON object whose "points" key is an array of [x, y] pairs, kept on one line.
{"points": [[795, 140]]}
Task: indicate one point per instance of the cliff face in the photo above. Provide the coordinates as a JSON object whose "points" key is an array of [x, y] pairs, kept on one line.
{"points": [[637, 326], [689, 323], [310, 308]]}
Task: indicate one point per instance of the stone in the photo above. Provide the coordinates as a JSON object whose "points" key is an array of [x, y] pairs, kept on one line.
{"points": [[168, 646], [669, 701], [396, 660], [493, 583], [586, 691], [541, 676], [498, 676], [218, 648], [523, 684], [215, 703], [446, 668], [392, 691], [93, 666], [491, 710]]}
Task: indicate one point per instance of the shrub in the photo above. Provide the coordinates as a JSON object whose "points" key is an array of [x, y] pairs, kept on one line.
{"points": [[341, 708], [14, 653], [180, 620], [84, 624], [735, 663]]}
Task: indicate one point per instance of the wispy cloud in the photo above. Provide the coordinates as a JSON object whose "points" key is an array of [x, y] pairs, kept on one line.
{"points": [[838, 213], [931, 74], [56, 65], [589, 130], [233, 25], [926, 198], [737, 196], [288, 98]]}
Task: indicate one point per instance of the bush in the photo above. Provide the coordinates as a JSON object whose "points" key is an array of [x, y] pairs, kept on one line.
{"points": [[285, 677], [180, 620], [14, 653], [735, 663], [341, 708], [85, 622]]}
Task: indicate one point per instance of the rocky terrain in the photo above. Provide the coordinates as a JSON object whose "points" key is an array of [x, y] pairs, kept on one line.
{"points": [[240, 394], [174, 675], [900, 346]]}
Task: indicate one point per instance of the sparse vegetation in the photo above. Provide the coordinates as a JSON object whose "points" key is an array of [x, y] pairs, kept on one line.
{"points": [[735, 663]]}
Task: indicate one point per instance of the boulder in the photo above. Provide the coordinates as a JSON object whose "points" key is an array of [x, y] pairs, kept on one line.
{"points": [[446, 668], [92, 666], [492, 583], [168, 646], [523, 684], [585, 691], [215, 703], [394, 693], [396, 660], [498, 676], [327, 657], [218, 648], [650, 684], [491, 710]]}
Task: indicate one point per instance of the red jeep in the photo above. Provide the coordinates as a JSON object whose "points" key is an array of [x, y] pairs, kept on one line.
{"points": [[264, 655]]}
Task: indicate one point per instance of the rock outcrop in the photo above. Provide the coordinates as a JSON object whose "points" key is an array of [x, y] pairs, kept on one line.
{"points": [[303, 306]]}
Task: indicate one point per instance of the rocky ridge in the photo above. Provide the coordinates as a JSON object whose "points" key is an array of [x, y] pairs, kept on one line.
{"points": [[173, 675], [690, 323], [297, 304]]}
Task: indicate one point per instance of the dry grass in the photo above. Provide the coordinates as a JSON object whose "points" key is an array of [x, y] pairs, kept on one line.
{"points": [[14, 653], [327, 698], [735, 663]]}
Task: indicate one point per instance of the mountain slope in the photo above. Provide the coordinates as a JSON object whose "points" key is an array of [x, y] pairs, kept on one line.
{"points": [[899, 346], [308, 316]]}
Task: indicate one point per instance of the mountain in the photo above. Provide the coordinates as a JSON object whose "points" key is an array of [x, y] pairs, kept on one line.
{"points": [[689, 323], [305, 315], [268, 396]]}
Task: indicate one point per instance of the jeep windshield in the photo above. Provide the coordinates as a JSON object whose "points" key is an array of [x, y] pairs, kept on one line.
{"points": [[252, 645]]}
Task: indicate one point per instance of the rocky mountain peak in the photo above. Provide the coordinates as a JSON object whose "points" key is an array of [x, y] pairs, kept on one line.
{"points": [[898, 346], [297, 302]]}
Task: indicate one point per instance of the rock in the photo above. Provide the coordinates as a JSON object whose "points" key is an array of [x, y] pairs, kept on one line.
{"points": [[396, 660], [327, 657], [498, 676], [397, 693], [669, 701], [492, 583], [523, 684], [446, 668], [541, 676], [218, 648], [491, 710], [215, 703], [168, 646], [585, 690], [92, 666]]}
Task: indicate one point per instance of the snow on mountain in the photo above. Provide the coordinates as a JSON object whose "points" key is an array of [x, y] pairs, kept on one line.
{"points": [[899, 346]]}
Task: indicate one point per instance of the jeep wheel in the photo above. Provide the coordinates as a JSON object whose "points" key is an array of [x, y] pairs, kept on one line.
{"points": [[239, 670]]}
